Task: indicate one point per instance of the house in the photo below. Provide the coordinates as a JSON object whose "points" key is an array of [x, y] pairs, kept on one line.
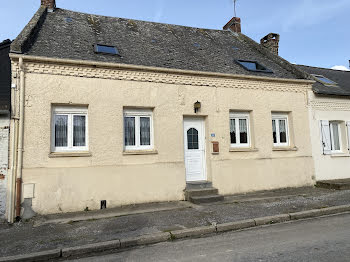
{"points": [[329, 105], [5, 103], [114, 111]]}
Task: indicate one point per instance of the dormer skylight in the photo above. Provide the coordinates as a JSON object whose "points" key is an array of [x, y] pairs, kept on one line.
{"points": [[106, 49], [324, 80], [253, 66]]}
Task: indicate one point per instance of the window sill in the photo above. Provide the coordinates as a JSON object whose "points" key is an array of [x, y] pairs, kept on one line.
{"points": [[140, 152], [70, 154], [285, 148], [241, 149], [340, 155]]}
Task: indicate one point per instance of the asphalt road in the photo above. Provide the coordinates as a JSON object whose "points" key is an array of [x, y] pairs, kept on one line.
{"points": [[321, 239]]}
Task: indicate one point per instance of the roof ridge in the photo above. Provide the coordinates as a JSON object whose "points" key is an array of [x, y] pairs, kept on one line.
{"points": [[347, 71], [144, 21]]}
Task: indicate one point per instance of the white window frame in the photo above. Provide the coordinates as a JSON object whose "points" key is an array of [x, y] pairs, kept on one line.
{"points": [[331, 123], [69, 111], [237, 116], [348, 132], [278, 117], [137, 113]]}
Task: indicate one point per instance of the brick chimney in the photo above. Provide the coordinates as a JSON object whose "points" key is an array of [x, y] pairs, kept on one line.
{"points": [[271, 42], [50, 4], [234, 25]]}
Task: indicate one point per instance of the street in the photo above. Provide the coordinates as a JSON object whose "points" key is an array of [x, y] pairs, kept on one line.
{"points": [[322, 239]]}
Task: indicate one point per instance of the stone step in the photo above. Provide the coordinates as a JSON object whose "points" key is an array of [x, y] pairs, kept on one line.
{"points": [[339, 184], [198, 185], [206, 199], [200, 192]]}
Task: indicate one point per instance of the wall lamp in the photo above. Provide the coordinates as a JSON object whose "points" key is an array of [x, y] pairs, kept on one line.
{"points": [[197, 106]]}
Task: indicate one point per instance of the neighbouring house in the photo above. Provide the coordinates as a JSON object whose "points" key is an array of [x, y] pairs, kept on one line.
{"points": [[5, 105], [329, 105], [114, 111]]}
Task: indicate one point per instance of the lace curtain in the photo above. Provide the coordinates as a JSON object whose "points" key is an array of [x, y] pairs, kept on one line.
{"points": [[61, 130], [129, 125], [79, 131], [145, 131]]}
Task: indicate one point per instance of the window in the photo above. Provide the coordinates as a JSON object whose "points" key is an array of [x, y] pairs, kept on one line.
{"points": [[69, 129], [253, 66], [105, 49], [324, 80], [239, 129], [280, 132], [192, 139], [331, 137], [335, 136], [138, 129]]}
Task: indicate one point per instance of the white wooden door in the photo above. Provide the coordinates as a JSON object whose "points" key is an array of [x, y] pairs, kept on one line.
{"points": [[194, 145]]}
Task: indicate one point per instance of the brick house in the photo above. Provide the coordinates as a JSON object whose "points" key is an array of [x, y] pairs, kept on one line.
{"points": [[115, 111]]}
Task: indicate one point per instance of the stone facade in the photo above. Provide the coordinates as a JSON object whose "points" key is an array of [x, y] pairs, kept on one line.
{"points": [[4, 141]]}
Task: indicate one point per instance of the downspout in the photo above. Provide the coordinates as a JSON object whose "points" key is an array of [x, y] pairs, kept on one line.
{"points": [[20, 141], [14, 140]]}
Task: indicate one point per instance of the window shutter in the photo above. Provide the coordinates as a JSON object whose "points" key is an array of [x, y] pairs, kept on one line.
{"points": [[348, 127], [325, 137]]}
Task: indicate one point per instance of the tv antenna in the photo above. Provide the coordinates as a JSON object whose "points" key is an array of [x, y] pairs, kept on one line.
{"points": [[234, 7]]}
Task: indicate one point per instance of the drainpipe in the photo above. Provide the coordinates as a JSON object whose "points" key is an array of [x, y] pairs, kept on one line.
{"points": [[20, 140], [13, 167]]}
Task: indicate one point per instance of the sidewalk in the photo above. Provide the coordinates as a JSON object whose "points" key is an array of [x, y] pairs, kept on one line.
{"points": [[75, 229]]}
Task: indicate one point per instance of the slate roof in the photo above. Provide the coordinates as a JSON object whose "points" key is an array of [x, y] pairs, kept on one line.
{"points": [[5, 75], [71, 35], [342, 78]]}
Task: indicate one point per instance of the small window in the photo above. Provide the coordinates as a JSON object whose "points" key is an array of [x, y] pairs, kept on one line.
{"points": [[105, 49], [280, 132], [69, 129], [239, 129], [335, 136], [324, 80], [138, 130], [192, 139], [253, 66]]}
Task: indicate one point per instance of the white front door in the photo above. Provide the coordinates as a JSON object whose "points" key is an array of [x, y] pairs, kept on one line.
{"points": [[194, 145]]}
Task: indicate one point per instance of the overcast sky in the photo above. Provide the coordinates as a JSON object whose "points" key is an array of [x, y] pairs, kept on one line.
{"points": [[313, 32]]}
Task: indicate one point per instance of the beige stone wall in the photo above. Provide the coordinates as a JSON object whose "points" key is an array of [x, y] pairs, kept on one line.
{"points": [[73, 183], [334, 166]]}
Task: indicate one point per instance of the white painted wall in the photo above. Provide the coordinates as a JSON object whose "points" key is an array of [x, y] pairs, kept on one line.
{"points": [[333, 166], [4, 140]]}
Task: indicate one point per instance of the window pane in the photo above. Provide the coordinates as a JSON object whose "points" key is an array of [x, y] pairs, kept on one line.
{"points": [[233, 131], [335, 132], [243, 131], [129, 131], [283, 131], [192, 139], [274, 131], [61, 130], [79, 131], [145, 131]]}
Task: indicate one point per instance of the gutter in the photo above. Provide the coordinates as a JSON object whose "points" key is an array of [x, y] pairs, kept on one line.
{"points": [[156, 69]]}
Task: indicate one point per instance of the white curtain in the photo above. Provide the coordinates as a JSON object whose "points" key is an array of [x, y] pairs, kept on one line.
{"points": [[233, 131], [61, 130], [274, 131], [145, 131], [243, 131], [335, 134], [283, 131], [129, 130], [79, 131]]}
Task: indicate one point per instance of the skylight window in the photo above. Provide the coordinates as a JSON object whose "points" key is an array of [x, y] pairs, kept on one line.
{"points": [[253, 66], [324, 80], [105, 49]]}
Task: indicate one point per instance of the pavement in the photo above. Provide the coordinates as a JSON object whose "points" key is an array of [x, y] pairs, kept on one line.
{"points": [[75, 234], [315, 240]]}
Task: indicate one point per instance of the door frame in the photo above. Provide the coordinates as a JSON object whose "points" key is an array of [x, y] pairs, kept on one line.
{"points": [[200, 119]]}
